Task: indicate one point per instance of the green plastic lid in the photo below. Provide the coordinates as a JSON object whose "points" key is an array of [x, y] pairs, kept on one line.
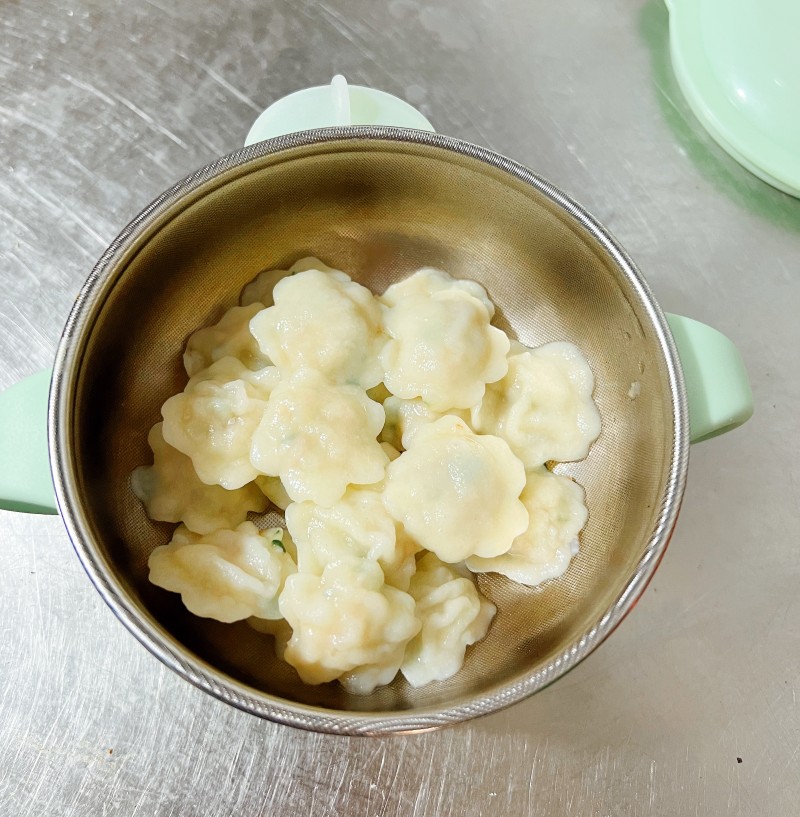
{"points": [[738, 64]]}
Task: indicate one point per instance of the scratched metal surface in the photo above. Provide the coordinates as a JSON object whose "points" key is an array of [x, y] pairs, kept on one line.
{"points": [[102, 105]]}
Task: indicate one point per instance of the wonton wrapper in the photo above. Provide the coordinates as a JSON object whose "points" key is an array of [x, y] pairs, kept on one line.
{"points": [[457, 493], [172, 492], [227, 575], [426, 281], [212, 421], [273, 490], [443, 349], [405, 417], [230, 337], [543, 407], [453, 614], [356, 527], [319, 438], [350, 600], [557, 513], [326, 322], [260, 289], [391, 452], [348, 624]]}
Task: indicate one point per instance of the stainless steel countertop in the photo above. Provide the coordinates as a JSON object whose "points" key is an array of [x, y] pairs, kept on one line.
{"points": [[691, 707]]}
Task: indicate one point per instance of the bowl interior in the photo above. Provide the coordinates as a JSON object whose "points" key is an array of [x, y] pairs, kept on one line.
{"points": [[378, 210]]}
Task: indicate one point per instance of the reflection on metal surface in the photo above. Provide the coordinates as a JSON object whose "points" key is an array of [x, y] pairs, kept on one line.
{"points": [[703, 672]]}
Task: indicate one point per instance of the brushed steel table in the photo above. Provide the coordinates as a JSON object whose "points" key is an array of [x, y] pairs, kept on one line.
{"points": [[691, 707]]}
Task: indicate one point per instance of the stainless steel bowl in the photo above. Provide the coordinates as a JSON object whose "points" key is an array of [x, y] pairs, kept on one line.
{"points": [[379, 203]]}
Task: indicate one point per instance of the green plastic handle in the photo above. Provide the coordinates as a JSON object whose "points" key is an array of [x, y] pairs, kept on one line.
{"points": [[337, 104], [26, 483], [717, 386]]}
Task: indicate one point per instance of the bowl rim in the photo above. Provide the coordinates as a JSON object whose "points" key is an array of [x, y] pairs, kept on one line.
{"points": [[213, 681]]}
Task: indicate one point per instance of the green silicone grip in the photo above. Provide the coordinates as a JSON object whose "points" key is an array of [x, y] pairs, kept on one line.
{"points": [[26, 483], [337, 104], [717, 386]]}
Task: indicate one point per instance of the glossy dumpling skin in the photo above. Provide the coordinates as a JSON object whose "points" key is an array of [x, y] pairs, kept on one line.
{"points": [[543, 407], [395, 433], [443, 349], [326, 322], [213, 420], [319, 438], [453, 615], [172, 492], [230, 337], [405, 417], [273, 490], [428, 280], [557, 513], [347, 624], [227, 575], [456, 492], [260, 290], [353, 544], [358, 526]]}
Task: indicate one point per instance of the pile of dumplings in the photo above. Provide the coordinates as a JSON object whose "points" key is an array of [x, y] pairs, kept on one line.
{"points": [[403, 437]]}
